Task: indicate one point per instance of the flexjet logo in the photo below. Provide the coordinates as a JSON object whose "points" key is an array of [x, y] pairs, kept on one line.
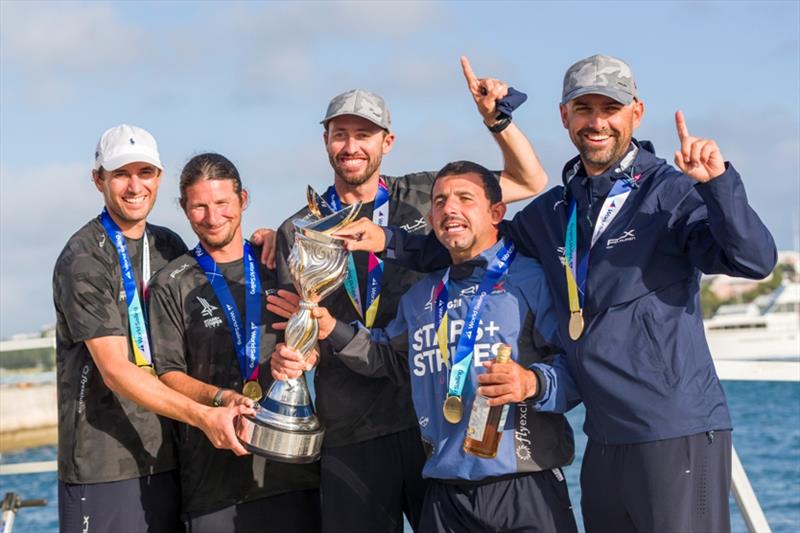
{"points": [[499, 288], [562, 255], [469, 290], [418, 224], [101, 239], [178, 270], [424, 421], [625, 237]]}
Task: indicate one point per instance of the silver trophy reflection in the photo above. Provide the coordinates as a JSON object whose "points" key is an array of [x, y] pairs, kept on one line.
{"points": [[285, 427]]}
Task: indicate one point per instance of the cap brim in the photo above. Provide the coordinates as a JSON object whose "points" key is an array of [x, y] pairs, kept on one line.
{"points": [[325, 121], [122, 160], [622, 97]]}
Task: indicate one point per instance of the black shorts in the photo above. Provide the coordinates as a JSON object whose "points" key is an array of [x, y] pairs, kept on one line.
{"points": [[531, 503], [292, 512], [149, 504], [677, 484], [366, 487]]}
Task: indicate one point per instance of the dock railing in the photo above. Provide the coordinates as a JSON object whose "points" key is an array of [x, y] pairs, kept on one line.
{"points": [[742, 490]]}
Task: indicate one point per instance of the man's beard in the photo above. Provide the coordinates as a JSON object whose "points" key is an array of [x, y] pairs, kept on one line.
{"points": [[218, 241], [355, 179], [600, 158]]}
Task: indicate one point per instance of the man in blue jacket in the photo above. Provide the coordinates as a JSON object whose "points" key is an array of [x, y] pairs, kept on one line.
{"points": [[447, 331], [623, 243]]}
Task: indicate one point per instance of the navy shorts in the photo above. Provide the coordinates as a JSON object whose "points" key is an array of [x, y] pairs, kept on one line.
{"points": [[530, 503], [149, 504], [679, 484], [366, 487], [292, 512]]}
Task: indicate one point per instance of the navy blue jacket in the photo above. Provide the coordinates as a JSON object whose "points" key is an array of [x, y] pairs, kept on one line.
{"points": [[642, 365]]}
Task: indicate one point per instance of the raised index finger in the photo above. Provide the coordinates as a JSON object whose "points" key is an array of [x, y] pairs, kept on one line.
{"points": [[472, 80], [680, 124]]}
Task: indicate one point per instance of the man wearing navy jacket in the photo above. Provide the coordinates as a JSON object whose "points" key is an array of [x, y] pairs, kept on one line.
{"points": [[623, 243]]}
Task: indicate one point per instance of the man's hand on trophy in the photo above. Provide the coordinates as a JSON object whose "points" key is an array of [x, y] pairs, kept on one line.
{"points": [[231, 397], [265, 238], [363, 235], [286, 363], [219, 425], [325, 321], [284, 304]]}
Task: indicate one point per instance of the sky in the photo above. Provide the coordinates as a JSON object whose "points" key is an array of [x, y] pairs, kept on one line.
{"points": [[251, 80]]}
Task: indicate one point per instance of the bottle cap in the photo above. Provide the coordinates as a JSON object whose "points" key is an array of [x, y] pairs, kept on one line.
{"points": [[503, 353]]}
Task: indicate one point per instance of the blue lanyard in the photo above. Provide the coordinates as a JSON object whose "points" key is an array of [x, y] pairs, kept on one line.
{"points": [[246, 342], [380, 216], [577, 270], [466, 342], [136, 316]]}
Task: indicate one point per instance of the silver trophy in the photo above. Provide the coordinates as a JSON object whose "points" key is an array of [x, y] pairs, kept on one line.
{"points": [[285, 427]]}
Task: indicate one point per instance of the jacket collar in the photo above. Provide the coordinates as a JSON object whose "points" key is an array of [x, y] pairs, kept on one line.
{"points": [[639, 157], [481, 261]]}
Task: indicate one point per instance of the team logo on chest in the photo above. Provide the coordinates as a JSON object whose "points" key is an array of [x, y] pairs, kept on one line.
{"points": [[418, 224], [628, 236], [211, 321]]}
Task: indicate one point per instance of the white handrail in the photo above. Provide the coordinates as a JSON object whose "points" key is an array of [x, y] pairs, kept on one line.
{"points": [[27, 344]]}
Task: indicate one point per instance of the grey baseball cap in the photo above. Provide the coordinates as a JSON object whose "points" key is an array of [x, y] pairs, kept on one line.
{"points": [[600, 74], [361, 103]]}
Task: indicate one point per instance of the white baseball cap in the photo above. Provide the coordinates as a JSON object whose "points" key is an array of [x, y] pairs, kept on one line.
{"points": [[125, 144]]}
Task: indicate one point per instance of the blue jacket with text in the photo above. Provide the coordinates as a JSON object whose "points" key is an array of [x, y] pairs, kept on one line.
{"points": [[517, 311]]}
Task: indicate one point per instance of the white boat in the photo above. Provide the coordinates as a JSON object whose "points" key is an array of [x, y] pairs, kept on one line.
{"points": [[754, 332]]}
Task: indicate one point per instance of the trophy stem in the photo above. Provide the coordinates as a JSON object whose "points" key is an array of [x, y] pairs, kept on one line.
{"points": [[284, 427]]}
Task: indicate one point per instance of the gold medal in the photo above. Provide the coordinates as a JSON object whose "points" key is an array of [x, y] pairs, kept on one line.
{"points": [[575, 325], [253, 390], [150, 370], [453, 409]]}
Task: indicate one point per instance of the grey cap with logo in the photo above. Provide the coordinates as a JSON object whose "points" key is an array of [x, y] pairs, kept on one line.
{"points": [[600, 74], [361, 103]]}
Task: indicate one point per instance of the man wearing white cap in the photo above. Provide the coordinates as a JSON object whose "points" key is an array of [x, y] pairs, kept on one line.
{"points": [[116, 460]]}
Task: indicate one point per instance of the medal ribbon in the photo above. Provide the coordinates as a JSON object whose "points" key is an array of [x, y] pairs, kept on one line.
{"points": [[247, 341], [577, 271], [380, 216], [440, 298], [136, 314], [466, 342]]}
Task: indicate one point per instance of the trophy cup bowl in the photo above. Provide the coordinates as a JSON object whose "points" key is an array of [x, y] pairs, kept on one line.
{"points": [[285, 427]]}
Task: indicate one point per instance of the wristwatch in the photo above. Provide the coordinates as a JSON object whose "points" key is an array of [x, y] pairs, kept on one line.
{"points": [[500, 125], [217, 402]]}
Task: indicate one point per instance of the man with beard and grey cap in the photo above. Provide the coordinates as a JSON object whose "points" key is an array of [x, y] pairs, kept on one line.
{"points": [[623, 244], [372, 456]]}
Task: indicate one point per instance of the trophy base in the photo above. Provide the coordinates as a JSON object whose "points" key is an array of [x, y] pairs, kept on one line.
{"points": [[296, 446]]}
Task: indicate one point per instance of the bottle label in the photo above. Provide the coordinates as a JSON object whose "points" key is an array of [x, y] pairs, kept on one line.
{"points": [[503, 414], [478, 418]]}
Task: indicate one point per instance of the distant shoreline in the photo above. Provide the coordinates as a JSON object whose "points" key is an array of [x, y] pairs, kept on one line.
{"points": [[28, 416]]}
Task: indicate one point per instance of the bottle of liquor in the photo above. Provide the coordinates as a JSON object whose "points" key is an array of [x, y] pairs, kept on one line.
{"points": [[486, 423]]}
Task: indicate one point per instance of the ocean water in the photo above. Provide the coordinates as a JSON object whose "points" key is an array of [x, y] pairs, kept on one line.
{"points": [[766, 418]]}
